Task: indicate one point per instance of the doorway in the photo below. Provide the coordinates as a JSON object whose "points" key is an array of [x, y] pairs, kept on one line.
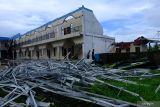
{"points": [[68, 46]]}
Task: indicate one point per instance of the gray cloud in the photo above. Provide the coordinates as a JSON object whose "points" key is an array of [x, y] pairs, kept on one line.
{"points": [[147, 25], [23, 15], [152, 15]]}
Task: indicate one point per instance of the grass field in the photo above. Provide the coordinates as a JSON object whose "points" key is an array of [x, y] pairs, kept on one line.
{"points": [[146, 88]]}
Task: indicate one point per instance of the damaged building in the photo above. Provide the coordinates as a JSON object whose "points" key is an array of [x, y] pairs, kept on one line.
{"points": [[138, 45], [77, 32]]}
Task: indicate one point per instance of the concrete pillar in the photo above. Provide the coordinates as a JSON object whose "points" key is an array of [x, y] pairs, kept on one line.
{"points": [[34, 54], [31, 49], [45, 56], [23, 55], [44, 51], [55, 52], [83, 51], [18, 54], [31, 54], [58, 53], [27, 54]]}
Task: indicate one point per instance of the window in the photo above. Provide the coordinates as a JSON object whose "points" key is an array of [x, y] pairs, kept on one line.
{"points": [[137, 49], [67, 30], [43, 37], [29, 41], [40, 38], [52, 35], [118, 50], [36, 39], [127, 50], [47, 36]]}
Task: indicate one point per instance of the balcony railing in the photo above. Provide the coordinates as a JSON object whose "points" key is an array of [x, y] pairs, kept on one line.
{"points": [[47, 36]]}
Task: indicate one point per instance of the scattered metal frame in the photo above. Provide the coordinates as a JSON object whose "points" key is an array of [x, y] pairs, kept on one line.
{"points": [[60, 77]]}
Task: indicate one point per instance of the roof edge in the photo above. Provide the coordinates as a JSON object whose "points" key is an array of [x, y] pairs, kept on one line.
{"points": [[81, 8]]}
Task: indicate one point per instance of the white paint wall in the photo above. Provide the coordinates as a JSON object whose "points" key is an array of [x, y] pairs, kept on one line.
{"points": [[102, 45], [91, 24], [93, 36], [99, 44]]}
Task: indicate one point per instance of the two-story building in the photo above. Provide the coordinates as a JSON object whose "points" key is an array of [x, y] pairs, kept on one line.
{"points": [[77, 32]]}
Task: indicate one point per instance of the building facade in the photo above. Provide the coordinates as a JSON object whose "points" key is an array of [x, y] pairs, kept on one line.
{"points": [[77, 32], [138, 45]]}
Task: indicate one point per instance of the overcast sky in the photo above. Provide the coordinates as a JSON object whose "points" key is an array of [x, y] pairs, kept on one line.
{"points": [[123, 19]]}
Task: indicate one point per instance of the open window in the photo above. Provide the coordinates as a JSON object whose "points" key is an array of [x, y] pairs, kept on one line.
{"points": [[118, 50], [128, 50], [67, 30]]}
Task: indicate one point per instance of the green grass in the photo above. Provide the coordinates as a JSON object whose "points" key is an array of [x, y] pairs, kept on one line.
{"points": [[110, 65], [155, 71], [2, 93], [147, 90]]}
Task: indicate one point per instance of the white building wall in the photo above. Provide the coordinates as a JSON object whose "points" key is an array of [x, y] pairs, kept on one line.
{"points": [[93, 36], [91, 24], [87, 45], [99, 44], [102, 45]]}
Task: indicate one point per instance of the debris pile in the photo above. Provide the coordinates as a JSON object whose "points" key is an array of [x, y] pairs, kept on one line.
{"points": [[63, 78]]}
